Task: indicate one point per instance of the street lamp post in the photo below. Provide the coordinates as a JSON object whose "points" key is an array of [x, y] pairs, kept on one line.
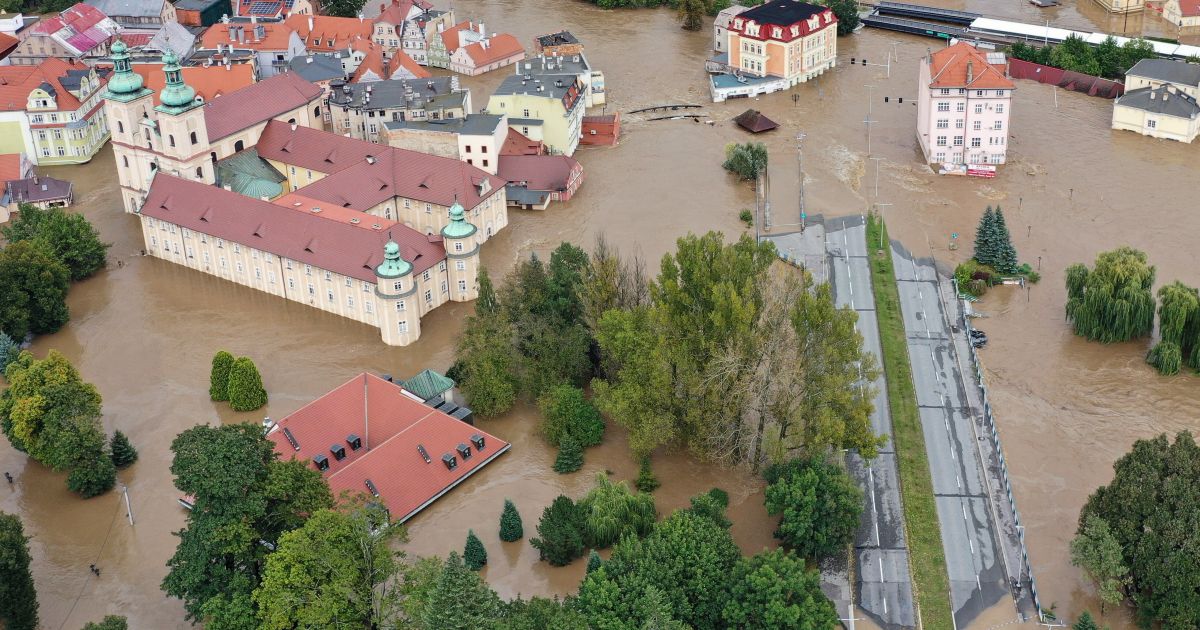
{"points": [[881, 222], [800, 165], [877, 160]]}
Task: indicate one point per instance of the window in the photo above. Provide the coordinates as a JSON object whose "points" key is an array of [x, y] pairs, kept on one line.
{"points": [[428, 297], [941, 141], [485, 163], [311, 289], [958, 140], [999, 108], [945, 91], [206, 259], [468, 148], [291, 284], [237, 249], [350, 301], [458, 246], [958, 124], [398, 286], [978, 108], [401, 306], [270, 276], [999, 92], [425, 276], [428, 209], [308, 270], [404, 326], [483, 149], [220, 244], [366, 286], [328, 276], [943, 123], [120, 127], [943, 106], [369, 306], [329, 294], [444, 287], [525, 113], [287, 264], [239, 266], [258, 273], [977, 125], [442, 266], [978, 92], [975, 142], [941, 156], [998, 125], [171, 140], [462, 286], [1151, 123], [192, 136], [460, 265], [960, 107], [224, 263], [125, 160]]}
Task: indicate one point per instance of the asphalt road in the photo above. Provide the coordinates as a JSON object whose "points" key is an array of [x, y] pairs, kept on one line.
{"points": [[884, 591], [969, 533]]}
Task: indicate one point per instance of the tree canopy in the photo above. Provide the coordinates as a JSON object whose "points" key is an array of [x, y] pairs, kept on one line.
{"points": [[993, 243], [246, 391], [1113, 301], [1097, 552], [560, 532], [110, 622], [342, 8], [847, 15], [819, 504], [460, 599], [774, 590], [1178, 328], [218, 377], [69, 236], [746, 160], [1109, 59], [1150, 509], [511, 529], [18, 599], [34, 284], [566, 411]]}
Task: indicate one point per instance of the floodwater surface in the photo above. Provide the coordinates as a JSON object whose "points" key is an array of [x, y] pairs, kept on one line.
{"points": [[144, 331]]}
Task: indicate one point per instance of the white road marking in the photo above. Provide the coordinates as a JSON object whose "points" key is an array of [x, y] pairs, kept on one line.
{"points": [[874, 505]]}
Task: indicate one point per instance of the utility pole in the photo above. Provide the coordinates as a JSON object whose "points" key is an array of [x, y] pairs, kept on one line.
{"points": [[800, 165], [868, 122], [128, 507], [877, 160], [881, 221]]}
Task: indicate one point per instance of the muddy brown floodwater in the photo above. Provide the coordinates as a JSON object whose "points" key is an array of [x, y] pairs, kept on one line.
{"points": [[144, 332]]}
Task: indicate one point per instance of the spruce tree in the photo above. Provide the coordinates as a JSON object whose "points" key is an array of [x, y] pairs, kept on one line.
{"points": [[474, 554], [123, 453], [18, 599], [1006, 254], [246, 391], [594, 561], [646, 481], [511, 528], [9, 350], [1085, 622], [218, 378], [985, 250], [570, 456]]}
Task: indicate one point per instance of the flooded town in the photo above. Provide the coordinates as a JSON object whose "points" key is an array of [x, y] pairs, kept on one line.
{"points": [[650, 142]]}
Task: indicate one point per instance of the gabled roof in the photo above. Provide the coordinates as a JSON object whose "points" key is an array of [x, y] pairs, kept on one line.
{"points": [[1161, 100], [453, 37], [1167, 70], [373, 62], [963, 66], [328, 33], [537, 172], [517, 144], [494, 49], [391, 426], [319, 67], [176, 37], [53, 75], [260, 36], [7, 44], [312, 149], [257, 103], [79, 29], [398, 11], [38, 189], [427, 384], [129, 8], [210, 82]]}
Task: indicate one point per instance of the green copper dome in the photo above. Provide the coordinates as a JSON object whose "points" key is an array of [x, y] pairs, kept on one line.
{"points": [[177, 96], [393, 266], [458, 226], [124, 82]]}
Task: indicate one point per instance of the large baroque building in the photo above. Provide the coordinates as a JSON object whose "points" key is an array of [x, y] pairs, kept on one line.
{"points": [[375, 234], [52, 112], [775, 46], [964, 101]]}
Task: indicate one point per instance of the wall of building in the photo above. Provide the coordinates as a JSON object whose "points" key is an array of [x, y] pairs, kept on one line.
{"points": [[490, 215], [15, 136], [368, 124], [1173, 14], [483, 151], [963, 126], [432, 142], [1122, 6], [1154, 125], [1135, 82], [560, 130]]}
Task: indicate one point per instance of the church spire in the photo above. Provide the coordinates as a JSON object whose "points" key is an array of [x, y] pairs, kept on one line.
{"points": [[125, 84], [177, 97]]}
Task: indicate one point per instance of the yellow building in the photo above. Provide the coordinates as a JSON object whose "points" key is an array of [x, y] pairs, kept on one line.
{"points": [[792, 40], [547, 108], [1158, 112], [1122, 6]]}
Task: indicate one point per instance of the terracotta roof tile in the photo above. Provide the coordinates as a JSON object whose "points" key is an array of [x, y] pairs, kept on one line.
{"points": [[7, 44], [517, 144], [500, 47], [313, 149], [391, 426], [209, 82], [256, 103], [275, 36], [949, 66], [396, 12], [10, 167], [373, 62], [16, 82], [341, 30], [450, 36], [537, 172], [1189, 8]]}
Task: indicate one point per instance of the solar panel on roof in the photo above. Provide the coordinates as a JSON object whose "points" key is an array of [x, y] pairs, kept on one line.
{"points": [[259, 7]]}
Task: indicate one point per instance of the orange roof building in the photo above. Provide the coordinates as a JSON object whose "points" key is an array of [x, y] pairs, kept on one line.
{"points": [[374, 68], [486, 55], [327, 33], [210, 82], [52, 110], [964, 102], [268, 40]]}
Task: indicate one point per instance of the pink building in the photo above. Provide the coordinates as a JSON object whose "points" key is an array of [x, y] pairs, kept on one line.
{"points": [[963, 106]]}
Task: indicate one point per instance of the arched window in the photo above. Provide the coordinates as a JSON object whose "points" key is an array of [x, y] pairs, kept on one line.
{"points": [[120, 127], [153, 166], [193, 136], [199, 172], [317, 111], [291, 121], [125, 159], [239, 145], [171, 140], [213, 157]]}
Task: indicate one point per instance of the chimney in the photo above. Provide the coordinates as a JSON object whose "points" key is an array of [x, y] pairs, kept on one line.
{"points": [[1152, 95], [482, 31], [382, 7], [293, 126], [310, 24], [970, 71], [254, 19]]}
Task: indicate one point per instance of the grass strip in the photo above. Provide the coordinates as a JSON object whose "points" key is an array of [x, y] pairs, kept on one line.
{"points": [[931, 584]]}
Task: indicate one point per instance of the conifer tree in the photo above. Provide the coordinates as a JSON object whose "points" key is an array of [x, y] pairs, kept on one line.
{"points": [[1085, 622], [474, 554], [18, 599], [594, 561], [9, 350], [511, 528], [570, 456], [218, 379], [1005, 254], [459, 599], [985, 250], [246, 391], [123, 453]]}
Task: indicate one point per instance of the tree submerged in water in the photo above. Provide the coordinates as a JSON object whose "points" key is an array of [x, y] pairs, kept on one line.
{"points": [[1179, 329], [1113, 301], [746, 160]]}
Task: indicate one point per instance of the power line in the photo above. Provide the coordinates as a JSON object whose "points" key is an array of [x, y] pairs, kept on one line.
{"points": [[99, 553]]}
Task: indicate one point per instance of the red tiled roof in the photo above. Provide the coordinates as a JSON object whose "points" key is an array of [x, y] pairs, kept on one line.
{"points": [[450, 35], [401, 60], [397, 12], [391, 426], [209, 82], [294, 232], [537, 172], [1189, 8], [517, 144], [948, 68], [7, 44], [16, 82], [80, 17], [10, 168], [500, 47], [133, 40], [313, 149], [373, 62], [275, 36], [342, 30], [262, 101]]}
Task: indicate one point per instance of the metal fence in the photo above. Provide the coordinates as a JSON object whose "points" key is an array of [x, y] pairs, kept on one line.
{"points": [[991, 424]]}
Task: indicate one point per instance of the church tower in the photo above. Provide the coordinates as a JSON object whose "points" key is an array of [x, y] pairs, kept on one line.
{"points": [[127, 103], [462, 253], [183, 135], [399, 313]]}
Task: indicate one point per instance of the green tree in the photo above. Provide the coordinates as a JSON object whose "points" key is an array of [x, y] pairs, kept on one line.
{"points": [[1110, 58], [646, 481], [594, 561], [1112, 302], [1134, 51], [560, 532], [846, 12], [1150, 508], [34, 285], [95, 474], [657, 612], [570, 456], [639, 374], [566, 411], [511, 528], [110, 622], [611, 511], [342, 8], [474, 554], [712, 505], [218, 377], [985, 238], [486, 356], [487, 303], [541, 613], [745, 160], [774, 590], [460, 600], [1085, 622], [1075, 54], [244, 500], [337, 570], [1006, 254], [691, 14], [687, 557], [819, 504], [1097, 552], [9, 350], [18, 599], [1178, 327], [123, 453], [246, 392], [69, 236]]}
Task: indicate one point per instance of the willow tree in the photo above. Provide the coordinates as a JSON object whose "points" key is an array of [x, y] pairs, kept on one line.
{"points": [[1113, 301], [1179, 329]]}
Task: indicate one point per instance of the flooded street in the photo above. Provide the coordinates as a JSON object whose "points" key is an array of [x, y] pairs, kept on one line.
{"points": [[145, 333]]}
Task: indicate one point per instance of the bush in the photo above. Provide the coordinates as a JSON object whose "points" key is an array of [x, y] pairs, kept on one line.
{"points": [[570, 456], [110, 622], [511, 528], [123, 453], [566, 411], [747, 217], [610, 512], [246, 391], [709, 506], [474, 554], [646, 481], [745, 160], [819, 504], [560, 532], [218, 377], [975, 278]]}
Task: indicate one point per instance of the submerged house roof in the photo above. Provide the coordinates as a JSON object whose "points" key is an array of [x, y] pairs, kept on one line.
{"points": [[428, 384], [755, 121]]}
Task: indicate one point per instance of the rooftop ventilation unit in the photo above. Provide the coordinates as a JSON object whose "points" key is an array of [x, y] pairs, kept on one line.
{"points": [[354, 441], [477, 440], [464, 414], [370, 159], [464, 451], [354, 221], [386, 377], [339, 452], [371, 487], [424, 453], [321, 461], [450, 461], [287, 433]]}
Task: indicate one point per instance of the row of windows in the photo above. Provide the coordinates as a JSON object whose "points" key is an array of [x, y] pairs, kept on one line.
{"points": [[943, 123], [961, 91], [975, 142], [944, 106]]}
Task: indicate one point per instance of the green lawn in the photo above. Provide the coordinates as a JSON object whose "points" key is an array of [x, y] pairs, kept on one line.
{"points": [[930, 581]]}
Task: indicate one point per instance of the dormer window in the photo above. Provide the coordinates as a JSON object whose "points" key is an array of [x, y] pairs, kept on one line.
{"points": [[737, 23], [776, 32]]}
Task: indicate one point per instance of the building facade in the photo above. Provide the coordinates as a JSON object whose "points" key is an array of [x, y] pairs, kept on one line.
{"points": [[721, 26], [485, 55], [359, 110], [139, 15], [791, 40], [1159, 112], [52, 112], [964, 101], [1152, 73], [1182, 13], [548, 109], [560, 44], [475, 139], [80, 33], [1122, 6]]}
